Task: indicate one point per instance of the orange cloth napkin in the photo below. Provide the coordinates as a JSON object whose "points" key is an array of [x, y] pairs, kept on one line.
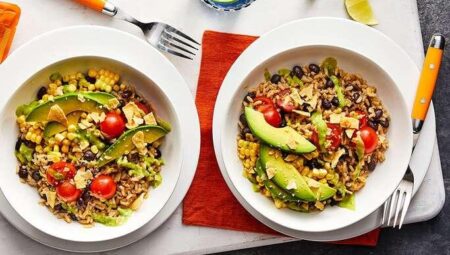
{"points": [[209, 202], [9, 17]]}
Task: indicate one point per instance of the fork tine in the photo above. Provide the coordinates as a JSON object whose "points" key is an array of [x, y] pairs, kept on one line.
{"points": [[176, 53], [385, 209], [405, 207], [166, 43], [391, 207], [401, 200], [176, 31], [169, 37]]}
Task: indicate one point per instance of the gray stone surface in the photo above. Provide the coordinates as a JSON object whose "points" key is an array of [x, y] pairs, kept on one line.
{"points": [[431, 237]]}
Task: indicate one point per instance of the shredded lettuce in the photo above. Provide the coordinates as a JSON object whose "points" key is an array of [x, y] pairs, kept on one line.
{"points": [[339, 91], [321, 127], [348, 202]]}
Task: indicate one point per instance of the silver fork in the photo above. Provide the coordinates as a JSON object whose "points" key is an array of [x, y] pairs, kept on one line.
{"points": [[160, 35], [399, 201]]}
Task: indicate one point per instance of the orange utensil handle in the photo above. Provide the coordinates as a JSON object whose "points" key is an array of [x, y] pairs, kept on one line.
{"points": [[93, 4], [427, 82]]}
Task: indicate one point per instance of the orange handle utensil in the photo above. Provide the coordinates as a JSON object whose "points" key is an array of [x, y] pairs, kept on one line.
{"points": [[99, 5], [427, 81], [9, 18]]}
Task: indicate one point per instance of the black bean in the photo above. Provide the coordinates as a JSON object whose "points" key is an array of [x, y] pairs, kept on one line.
{"points": [[91, 80], [251, 95], [384, 123], [244, 131], [283, 122], [335, 101], [36, 176], [297, 71], [122, 102], [23, 172], [326, 104], [373, 124], [372, 164], [43, 196], [73, 217], [276, 78], [378, 113], [313, 164], [86, 196], [41, 92], [314, 68], [125, 94], [356, 95], [243, 120], [356, 87], [18, 143], [329, 83], [59, 208], [89, 155], [158, 153], [80, 203]]}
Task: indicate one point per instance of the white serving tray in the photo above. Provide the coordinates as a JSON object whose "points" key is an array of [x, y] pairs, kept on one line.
{"points": [[401, 23]]}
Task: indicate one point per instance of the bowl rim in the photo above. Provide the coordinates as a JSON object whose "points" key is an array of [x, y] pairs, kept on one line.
{"points": [[181, 105], [273, 48]]}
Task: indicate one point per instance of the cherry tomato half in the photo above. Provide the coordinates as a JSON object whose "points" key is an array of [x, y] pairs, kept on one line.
{"points": [[265, 101], [103, 186], [113, 125], [370, 139], [67, 191], [315, 138], [60, 171], [143, 107], [335, 136]]}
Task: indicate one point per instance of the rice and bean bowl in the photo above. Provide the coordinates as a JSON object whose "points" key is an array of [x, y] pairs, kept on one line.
{"points": [[90, 145], [309, 136]]}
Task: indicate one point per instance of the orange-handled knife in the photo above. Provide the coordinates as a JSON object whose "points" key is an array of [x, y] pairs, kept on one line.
{"points": [[427, 82], [100, 6]]}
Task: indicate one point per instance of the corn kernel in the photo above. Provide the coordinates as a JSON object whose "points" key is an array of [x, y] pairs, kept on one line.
{"points": [[71, 128], [52, 86], [21, 119], [71, 136], [92, 73], [91, 87], [45, 97], [47, 148], [65, 148], [38, 148], [65, 142], [123, 87], [56, 148], [72, 77], [108, 88], [38, 139], [116, 77], [94, 149], [28, 135], [324, 181], [116, 88]]}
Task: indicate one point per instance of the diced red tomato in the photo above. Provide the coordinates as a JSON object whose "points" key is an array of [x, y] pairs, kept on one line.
{"points": [[363, 119], [67, 191], [370, 139], [103, 186], [315, 138], [271, 115], [60, 171], [113, 125], [285, 102], [335, 136], [143, 107]]}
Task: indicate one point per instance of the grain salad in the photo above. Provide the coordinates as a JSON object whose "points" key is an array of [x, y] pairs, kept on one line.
{"points": [[90, 145], [309, 136]]}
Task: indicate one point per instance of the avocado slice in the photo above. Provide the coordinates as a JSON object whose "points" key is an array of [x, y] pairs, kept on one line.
{"points": [[274, 190], [284, 174], [93, 102], [306, 188], [286, 138], [124, 143], [53, 128]]}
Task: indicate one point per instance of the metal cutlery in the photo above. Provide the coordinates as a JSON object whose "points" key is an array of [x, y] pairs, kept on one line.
{"points": [[162, 36], [401, 198]]}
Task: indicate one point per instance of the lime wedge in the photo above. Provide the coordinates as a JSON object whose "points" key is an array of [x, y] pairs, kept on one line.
{"points": [[225, 1], [361, 11]]}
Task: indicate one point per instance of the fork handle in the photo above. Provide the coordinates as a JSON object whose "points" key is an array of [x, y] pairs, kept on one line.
{"points": [[100, 5]]}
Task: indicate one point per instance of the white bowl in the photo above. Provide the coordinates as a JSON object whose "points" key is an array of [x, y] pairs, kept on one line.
{"points": [[273, 51], [153, 76]]}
